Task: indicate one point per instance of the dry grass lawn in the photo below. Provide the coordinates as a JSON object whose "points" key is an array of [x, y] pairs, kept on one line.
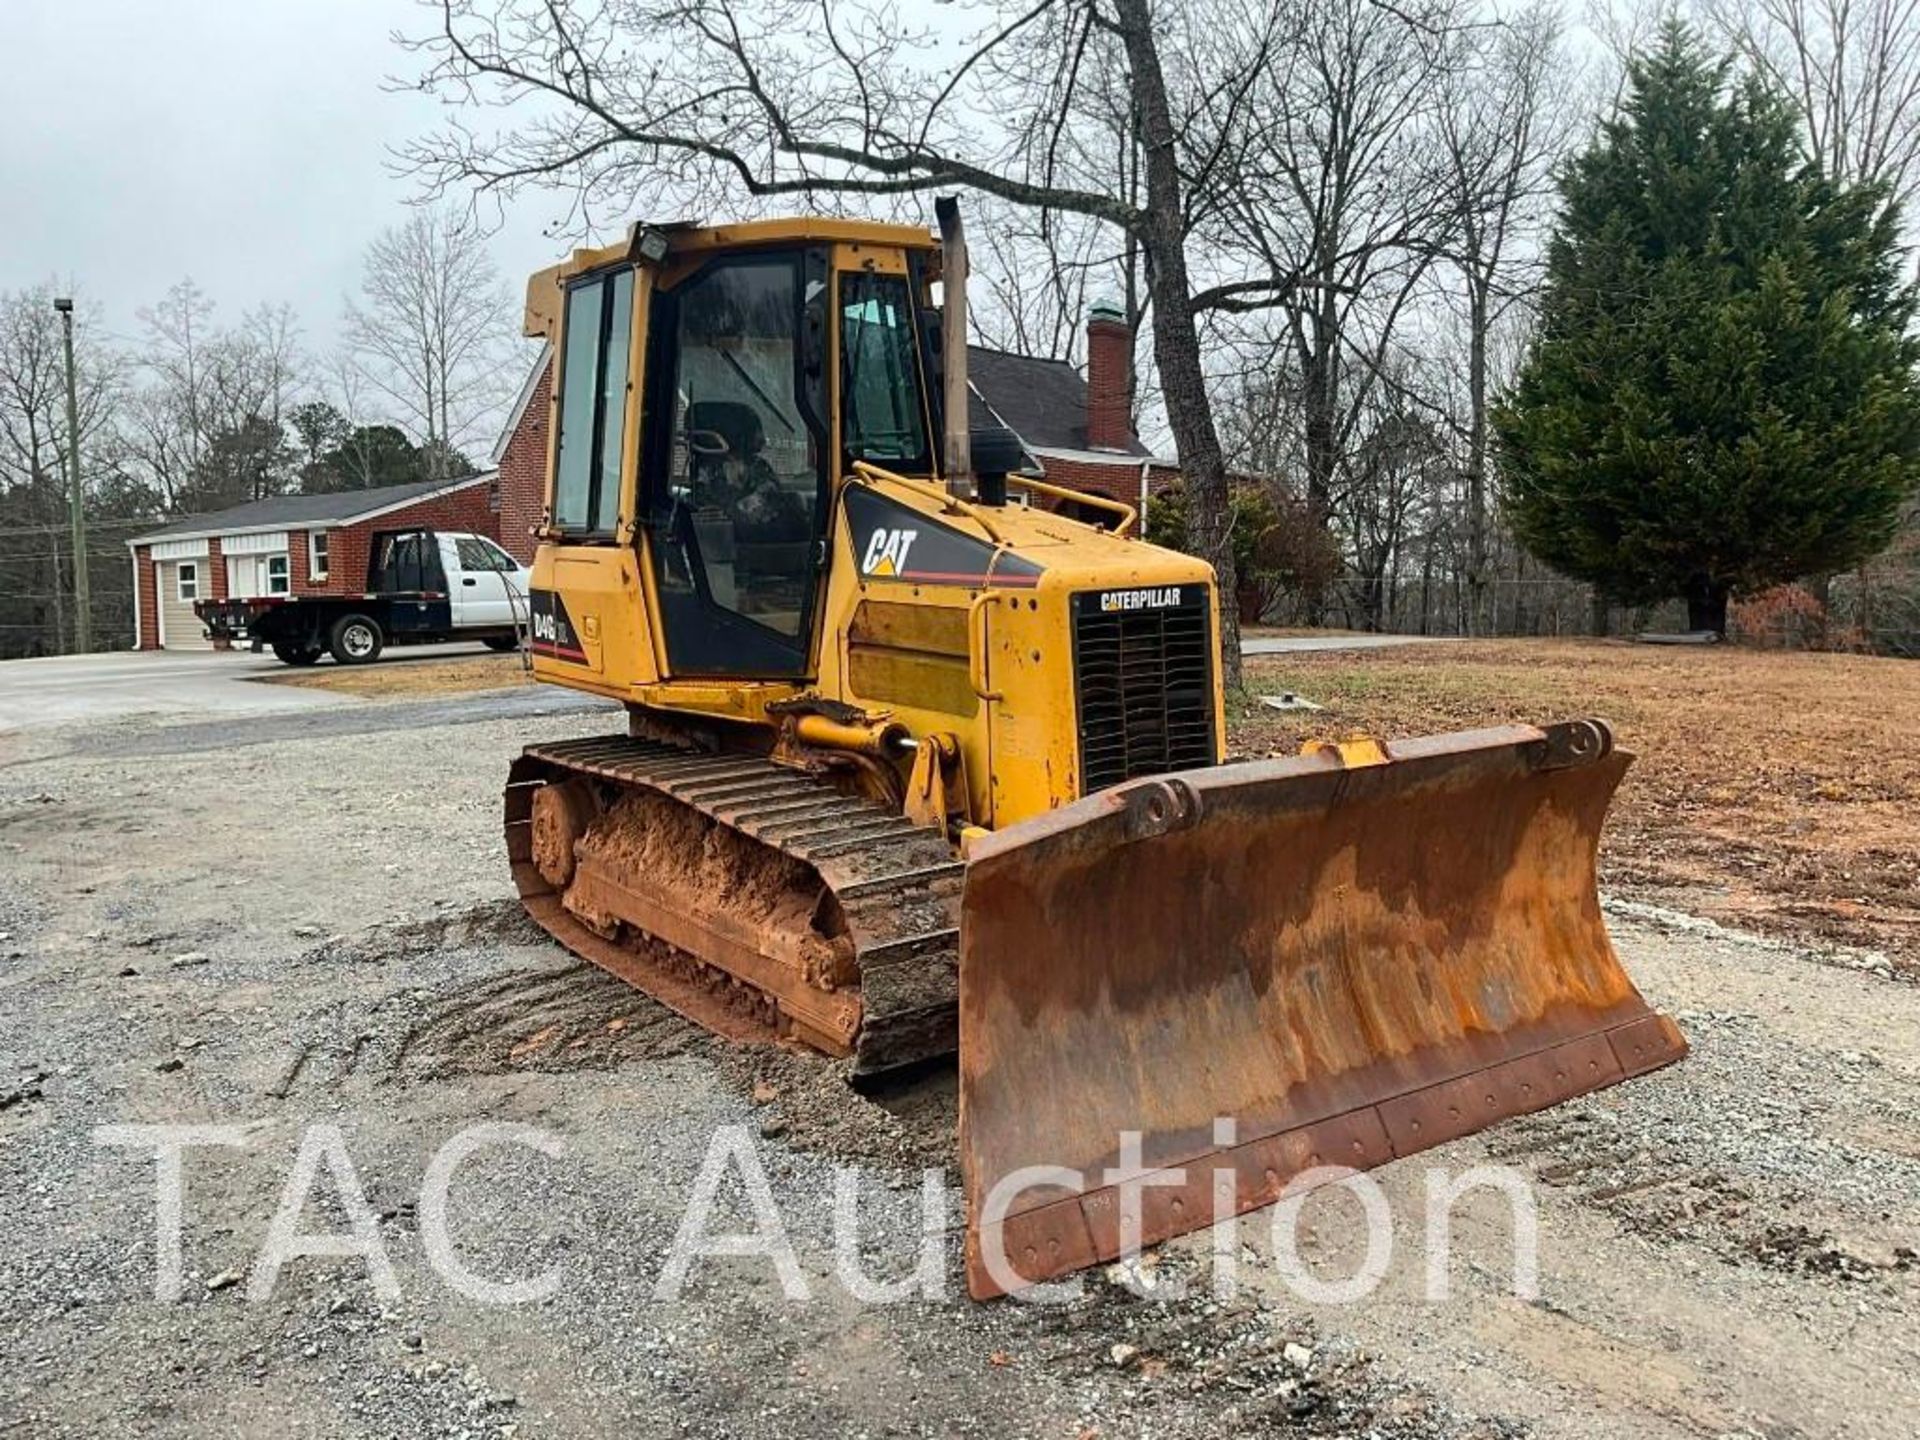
{"points": [[409, 678], [1776, 791]]}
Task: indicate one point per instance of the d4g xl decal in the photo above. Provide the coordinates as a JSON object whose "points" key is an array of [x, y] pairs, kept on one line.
{"points": [[892, 542], [552, 632]]}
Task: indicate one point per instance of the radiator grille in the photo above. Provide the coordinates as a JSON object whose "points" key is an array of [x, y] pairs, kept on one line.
{"points": [[1143, 682]]}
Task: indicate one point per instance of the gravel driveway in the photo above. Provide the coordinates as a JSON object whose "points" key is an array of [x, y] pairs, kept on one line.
{"points": [[313, 930]]}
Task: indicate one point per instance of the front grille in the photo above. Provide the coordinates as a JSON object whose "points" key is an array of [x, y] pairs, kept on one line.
{"points": [[1143, 682]]}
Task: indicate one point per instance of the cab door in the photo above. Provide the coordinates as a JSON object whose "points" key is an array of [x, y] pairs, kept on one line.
{"points": [[479, 584], [736, 484]]}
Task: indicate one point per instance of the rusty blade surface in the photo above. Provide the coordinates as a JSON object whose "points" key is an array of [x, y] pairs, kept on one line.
{"points": [[1268, 968]]}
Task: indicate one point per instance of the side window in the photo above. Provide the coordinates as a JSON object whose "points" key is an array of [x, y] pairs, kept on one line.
{"points": [[881, 417], [593, 403], [187, 572], [501, 559], [476, 554]]}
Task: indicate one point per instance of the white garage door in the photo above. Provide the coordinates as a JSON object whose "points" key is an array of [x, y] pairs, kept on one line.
{"points": [[180, 628]]}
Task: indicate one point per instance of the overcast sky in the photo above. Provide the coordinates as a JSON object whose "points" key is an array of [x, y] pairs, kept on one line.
{"points": [[242, 142]]}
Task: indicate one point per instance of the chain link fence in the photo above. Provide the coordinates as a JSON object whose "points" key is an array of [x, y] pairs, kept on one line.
{"points": [[36, 587], [1873, 610]]}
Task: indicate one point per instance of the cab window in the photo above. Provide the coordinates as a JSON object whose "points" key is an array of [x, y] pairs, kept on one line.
{"points": [[881, 417], [593, 403], [408, 562], [477, 554]]}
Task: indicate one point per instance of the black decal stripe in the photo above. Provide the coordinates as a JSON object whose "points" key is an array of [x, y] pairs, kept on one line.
{"points": [[944, 556]]}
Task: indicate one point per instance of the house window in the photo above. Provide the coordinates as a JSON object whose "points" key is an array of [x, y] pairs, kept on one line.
{"points": [[187, 577], [317, 556], [279, 581]]}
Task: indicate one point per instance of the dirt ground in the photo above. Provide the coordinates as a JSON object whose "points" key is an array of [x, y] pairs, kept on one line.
{"points": [[416, 677], [314, 929], [1777, 792]]}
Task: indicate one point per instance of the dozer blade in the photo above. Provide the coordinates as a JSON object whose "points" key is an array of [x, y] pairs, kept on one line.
{"points": [[1270, 968]]}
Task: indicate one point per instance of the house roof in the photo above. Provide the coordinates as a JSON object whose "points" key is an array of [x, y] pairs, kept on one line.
{"points": [[1044, 402], [278, 512]]}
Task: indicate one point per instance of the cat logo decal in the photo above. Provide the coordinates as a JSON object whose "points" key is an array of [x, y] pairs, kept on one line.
{"points": [[887, 551]]}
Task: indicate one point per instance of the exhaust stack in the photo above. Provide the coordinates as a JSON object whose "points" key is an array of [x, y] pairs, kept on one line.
{"points": [[953, 346]]}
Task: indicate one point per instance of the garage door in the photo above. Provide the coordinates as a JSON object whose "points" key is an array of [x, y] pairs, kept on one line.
{"points": [[180, 628]]}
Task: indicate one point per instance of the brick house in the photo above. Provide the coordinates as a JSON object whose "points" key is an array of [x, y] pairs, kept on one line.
{"points": [[1076, 428], [287, 545], [520, 459]]}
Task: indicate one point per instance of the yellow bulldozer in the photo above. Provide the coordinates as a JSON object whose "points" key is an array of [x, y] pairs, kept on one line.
{"points": [[926, 755]]}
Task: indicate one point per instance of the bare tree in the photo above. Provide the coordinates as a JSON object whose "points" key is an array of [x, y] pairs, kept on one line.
{"points": [[207, 428], [1340, 197], [34, 493], [273, 335], [428, 332], [1503, 124], [1399, 466], [649, 105], [173, 420], [1624, 28], [1036, 273], [33, 434], [1851, 68]]}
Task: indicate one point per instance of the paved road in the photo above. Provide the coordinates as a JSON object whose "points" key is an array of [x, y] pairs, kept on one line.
{"points": [[192, 737], [61, 689], [1303, 644]]}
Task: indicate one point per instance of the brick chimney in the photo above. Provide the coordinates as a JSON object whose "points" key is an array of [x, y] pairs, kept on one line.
{"points": [[1109, 362]]}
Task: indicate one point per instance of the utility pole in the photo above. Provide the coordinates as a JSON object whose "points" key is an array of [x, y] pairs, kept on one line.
{"points": [[82, 597]]}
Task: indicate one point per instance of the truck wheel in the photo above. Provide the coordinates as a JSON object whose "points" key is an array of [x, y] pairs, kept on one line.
{"points": [[501, 642], [289, 653], [356, 640]]}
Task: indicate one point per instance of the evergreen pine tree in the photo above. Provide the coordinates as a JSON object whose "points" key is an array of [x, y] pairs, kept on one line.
{"points": [[1721, 393]]}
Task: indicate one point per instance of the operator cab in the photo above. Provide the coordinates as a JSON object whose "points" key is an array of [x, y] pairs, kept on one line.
{"points": [[737, 437]]}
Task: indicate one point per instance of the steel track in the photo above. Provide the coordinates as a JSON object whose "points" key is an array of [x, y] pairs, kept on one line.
{"points": [[897, 884]]}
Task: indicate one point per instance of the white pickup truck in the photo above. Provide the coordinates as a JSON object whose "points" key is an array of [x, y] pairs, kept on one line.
{"points": [[422, 585]]}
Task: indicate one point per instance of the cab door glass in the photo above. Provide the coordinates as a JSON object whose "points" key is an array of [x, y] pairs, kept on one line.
{"points": [[881, 416], [593, 403], [501, 559], [743, 466], [476, 555]]}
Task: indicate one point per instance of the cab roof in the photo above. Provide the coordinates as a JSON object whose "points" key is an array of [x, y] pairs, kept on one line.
{"points": [[686, 238]]}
